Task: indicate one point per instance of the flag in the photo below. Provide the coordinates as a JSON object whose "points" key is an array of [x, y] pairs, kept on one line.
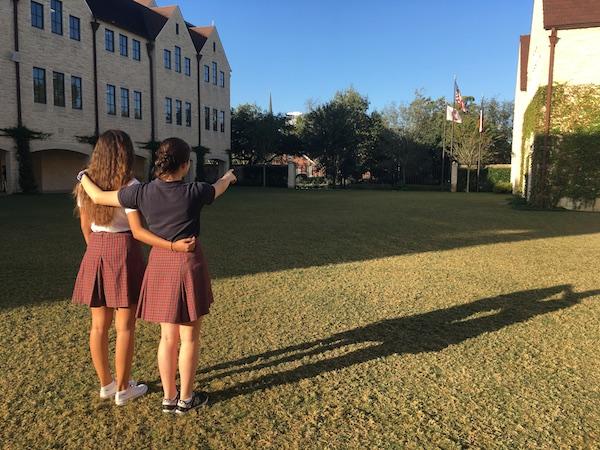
{"points": [[453, 115], [481, 120], [458, 98]]}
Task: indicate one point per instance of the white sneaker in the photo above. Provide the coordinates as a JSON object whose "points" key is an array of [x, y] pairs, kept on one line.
{"points": [[109, 391], [130, 393]]}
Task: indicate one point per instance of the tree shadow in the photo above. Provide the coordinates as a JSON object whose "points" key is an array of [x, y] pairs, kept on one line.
{"points": [[427, 332]]}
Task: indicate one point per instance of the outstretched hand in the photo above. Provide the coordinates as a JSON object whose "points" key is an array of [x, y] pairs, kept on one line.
{"points": [[230, 176], [186, 245]]}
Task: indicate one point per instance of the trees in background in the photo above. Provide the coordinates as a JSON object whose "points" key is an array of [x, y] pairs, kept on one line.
{"points": [[394, 144]]}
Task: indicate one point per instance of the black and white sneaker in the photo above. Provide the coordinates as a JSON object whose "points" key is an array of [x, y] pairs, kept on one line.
{"points": [[169, 406], [198, 400]]}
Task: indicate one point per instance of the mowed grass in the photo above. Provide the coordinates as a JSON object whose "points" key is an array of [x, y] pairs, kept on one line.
{"points": [[342, 320]]}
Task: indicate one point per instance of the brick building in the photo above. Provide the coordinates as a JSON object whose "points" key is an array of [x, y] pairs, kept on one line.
{"points": [[75, 68]]}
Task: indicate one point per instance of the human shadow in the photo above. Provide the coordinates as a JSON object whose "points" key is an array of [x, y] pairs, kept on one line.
{"points": [[428, 332]]}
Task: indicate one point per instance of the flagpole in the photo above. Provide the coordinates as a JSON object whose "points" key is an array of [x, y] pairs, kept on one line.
{"points": [[480, 136], [454, 107], [444, 146]]}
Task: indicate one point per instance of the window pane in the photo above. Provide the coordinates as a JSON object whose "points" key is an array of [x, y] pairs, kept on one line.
{"points": [[137, 54], [37, 15], [177, 59], [123, 45], [206, 118], [58, 83], [214, 74], [214, 120], [76, 94], [188, 114], [124, 102], [56, 16], [137, 104], [206, 73], [168, 110], [222, 121], [74, 28], [109, 40], [111, 101], [178, 111], [188, 67], [39, 85], [222, 79], [167, 59]]}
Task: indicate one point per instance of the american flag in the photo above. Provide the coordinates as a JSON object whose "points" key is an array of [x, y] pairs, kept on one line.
{"points": [[458, 98]]}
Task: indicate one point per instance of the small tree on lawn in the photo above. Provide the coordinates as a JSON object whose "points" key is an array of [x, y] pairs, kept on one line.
{"points": [[468, 145]]}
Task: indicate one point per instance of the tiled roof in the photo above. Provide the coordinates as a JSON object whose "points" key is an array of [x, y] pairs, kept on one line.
{"points": [[129, 15], [565, 14], [165, 11], [524, 60]]}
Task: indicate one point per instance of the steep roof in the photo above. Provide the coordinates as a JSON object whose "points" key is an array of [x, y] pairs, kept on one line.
{"points": [[200, 35], [525, 40], [566, 14], [129, 15]]}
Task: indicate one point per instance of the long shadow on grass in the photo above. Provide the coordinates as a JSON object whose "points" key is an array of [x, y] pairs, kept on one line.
{"points": [[428, 332]]}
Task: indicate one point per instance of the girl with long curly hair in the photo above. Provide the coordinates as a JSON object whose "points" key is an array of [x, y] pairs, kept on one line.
{"points": [[176, 291], [112, 269]]}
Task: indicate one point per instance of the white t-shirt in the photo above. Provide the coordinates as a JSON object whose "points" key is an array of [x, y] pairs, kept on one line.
{"points": [[119, 223]]}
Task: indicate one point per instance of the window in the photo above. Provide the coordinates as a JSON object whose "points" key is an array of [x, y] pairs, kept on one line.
{"points": [[39, 85], [37, 15], [76, 93], [206, 73], [188, 67], [188, 114], [167, 59], [109, 40], [176, 28], [214, 47], [178, 117], [123, 45], [58, 84], [206, 118], [137, 104], [111, 101], [124, 102], [214, 119], [168, 110], [222, 121], [56, 16], [136, 49], [74, 28], [222, 79], [214, 73], [177, 59]]}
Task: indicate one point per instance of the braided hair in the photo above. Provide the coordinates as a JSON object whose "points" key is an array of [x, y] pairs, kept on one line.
{"points": [[171, 155]]}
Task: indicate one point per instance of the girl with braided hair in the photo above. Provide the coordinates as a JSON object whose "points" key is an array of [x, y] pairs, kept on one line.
{"points": [[176, 291]]}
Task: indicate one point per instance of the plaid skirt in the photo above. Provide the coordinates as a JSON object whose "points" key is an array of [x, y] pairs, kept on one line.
{"points": [[111, 271], [176, 287]]}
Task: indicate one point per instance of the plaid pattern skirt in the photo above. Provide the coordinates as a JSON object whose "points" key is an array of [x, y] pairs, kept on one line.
{"points": [[176, 287], [111, 271]]}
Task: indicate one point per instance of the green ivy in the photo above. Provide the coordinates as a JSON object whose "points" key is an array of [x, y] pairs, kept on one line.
{"points": [[23, 137], [573, 161], [201, 153], [152, 147]]}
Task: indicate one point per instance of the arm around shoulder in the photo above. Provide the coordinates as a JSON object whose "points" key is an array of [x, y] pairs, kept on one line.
{"points": [[98, 196]]}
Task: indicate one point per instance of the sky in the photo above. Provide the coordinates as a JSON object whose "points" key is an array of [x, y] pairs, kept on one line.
{"points": [[386, 49]]}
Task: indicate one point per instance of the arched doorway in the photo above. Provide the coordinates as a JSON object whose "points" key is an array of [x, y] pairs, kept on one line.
{"points": [[55, 170]]}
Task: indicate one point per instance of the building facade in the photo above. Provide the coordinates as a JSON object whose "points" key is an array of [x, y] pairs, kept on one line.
{"points": [[568, 30], [75, 68]]}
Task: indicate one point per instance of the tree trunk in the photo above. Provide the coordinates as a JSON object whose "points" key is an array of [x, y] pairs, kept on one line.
{"points": [[468, 179]]}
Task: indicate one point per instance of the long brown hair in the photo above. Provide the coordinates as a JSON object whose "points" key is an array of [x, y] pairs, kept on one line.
{"points": [[110, 167]]}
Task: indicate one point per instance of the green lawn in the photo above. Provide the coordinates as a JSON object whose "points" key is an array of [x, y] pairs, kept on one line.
{"points": [[342, 320]]}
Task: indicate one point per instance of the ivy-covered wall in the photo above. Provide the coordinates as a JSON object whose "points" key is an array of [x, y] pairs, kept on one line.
{"points": [[571, 169]]}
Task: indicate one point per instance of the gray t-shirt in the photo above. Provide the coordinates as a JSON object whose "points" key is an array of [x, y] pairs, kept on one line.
{"points": [[171, 209]]}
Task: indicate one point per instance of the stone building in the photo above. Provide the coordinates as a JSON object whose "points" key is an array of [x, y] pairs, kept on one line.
{"points": [[75, 68], [561, 51]]}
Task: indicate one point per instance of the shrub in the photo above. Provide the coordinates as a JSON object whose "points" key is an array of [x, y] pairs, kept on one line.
{"points": [[502, 187]]}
